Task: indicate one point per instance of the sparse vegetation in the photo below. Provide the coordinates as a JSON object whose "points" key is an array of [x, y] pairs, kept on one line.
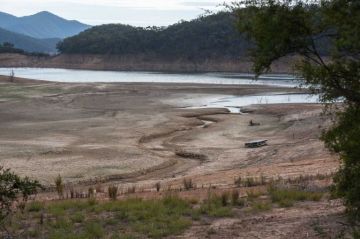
{"points": [[238, 181], [91, 192], [191, 155], [287, 197], [59, 186], [214, 206], [225, 199], [261, 206], [188, 184], [235, 200], [12, 76], [131, 189], [79, 219], [112, 192], [158, 186], [35, 206]]}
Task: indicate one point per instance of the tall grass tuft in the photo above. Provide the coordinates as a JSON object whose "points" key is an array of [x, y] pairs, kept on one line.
{"points": [[59, 186], [286, 197], [158, 186], [112, 191], [188, 184]]}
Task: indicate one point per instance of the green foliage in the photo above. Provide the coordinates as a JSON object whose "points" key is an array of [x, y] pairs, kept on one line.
{"points": [[158, 186], [216, 206], [78, 219], [7, 47], [287, 197], [12, 188], [35, 206], [344, 139], [112, 192], [188, 184], [261, 206], [312, 30], [59, 185], [225, 199], [210, 36], [235, 198], [238, 181]]}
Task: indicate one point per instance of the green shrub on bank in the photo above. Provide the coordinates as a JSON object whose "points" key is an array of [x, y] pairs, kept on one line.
{"points": [[287, 197], [81, 219]]}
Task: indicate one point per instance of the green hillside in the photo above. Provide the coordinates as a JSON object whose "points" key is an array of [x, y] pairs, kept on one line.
{"points": [[210, 36]]}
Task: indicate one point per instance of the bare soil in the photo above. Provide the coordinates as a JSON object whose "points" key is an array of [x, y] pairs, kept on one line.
{"points": [[127, 135], [139, 63]]}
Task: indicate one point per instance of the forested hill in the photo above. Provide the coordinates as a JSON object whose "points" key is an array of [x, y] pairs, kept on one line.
{"points": [[206, 37]]}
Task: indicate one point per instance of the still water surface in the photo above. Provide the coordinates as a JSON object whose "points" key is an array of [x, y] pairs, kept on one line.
{"points": [[87, 76]]}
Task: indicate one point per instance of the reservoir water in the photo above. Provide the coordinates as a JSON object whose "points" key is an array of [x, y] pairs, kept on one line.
{"points": [[87, 76]]}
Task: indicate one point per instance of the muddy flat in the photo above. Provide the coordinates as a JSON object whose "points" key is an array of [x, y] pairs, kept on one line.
{"points": [[138, 135], [124, 131]]}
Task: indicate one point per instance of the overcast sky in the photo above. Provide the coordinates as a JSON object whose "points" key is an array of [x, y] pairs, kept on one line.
{"points": [[134, 12]]}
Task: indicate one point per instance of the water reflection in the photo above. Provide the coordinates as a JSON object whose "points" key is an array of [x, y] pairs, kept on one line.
{"points": [[87, 76]]}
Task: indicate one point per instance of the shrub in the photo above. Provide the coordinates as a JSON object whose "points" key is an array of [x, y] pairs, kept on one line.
{"points": [[92, 201], [224, 199], [286, 203], [35, 206], [98, 188], [72, 192], [235, 197], [193, 201], [252, 194], [131, 189], [286, 197], [158, 186], [237, 181], [94, 230], [77, 217], [59, 186], [250, 182], [11, 188], [261, 206], [91, 192], [112, 191], [188, 184], [214, 207]]}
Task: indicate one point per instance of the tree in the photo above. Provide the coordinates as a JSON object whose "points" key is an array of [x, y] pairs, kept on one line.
{"points": [[8, 45], [324, 35], [14, 193]]}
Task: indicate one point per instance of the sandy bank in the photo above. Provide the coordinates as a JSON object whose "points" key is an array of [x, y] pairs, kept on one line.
{"points": [[126, 132], [137, 63]]}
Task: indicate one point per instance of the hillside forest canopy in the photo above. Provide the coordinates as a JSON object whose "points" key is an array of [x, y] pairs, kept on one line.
{"points": [[207, 36]]}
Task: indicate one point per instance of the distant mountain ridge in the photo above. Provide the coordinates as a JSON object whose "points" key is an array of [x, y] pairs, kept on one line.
{"points": [[28, 43], [41, 25]]}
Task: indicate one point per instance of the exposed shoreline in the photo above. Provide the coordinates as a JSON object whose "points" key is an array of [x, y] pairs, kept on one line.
{"points": [[70, 128], [139, 63]]}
